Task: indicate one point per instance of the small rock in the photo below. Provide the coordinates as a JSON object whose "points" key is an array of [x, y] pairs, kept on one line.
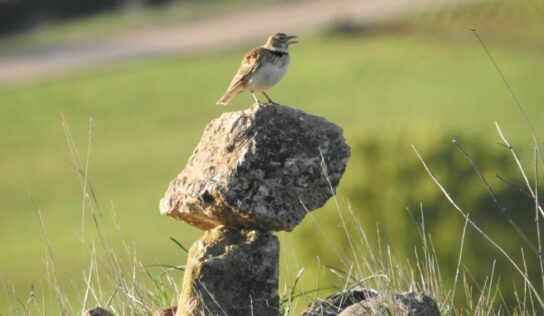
{"points": [[167, 311], [334, 304], [231, 272], [262, 168], [406, 304], [97, 311]]}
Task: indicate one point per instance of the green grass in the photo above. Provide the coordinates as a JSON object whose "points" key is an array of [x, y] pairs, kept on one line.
{"points": [[385, 85]]}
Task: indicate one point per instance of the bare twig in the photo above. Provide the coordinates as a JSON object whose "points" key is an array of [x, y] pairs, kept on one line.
{"points": [[88, 284], [54, 282], [510, 90], [479, 230], [459, 261], [519, 188], [344, 225], [520, 167], [29, 300], [495, 200], [537, 219], [86, 177]]}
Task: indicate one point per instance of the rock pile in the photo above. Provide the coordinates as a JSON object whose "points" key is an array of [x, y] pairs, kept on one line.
{"points": [[253, 172]]}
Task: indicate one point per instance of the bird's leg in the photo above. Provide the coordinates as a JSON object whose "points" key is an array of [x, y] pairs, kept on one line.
{"points": [[255, 97], [269, 100]]}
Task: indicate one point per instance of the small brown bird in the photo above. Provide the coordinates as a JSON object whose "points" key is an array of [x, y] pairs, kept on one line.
{"points": [[261, 68]]}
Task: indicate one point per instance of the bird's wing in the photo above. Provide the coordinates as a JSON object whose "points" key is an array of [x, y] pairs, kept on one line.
{"points": [[250, 63]]}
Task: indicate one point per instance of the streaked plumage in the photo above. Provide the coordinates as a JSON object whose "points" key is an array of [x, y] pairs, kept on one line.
{"points": [[261, 68]]}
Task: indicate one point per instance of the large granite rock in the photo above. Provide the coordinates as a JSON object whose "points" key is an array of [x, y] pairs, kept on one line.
{"points": [[231, 272], [261, 168]]}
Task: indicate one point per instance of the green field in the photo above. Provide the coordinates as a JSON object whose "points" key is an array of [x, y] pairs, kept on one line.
{"points": [[418, 80]]}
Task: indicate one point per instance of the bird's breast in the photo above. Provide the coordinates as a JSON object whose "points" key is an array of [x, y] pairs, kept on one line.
{"points": [[268, 75]]}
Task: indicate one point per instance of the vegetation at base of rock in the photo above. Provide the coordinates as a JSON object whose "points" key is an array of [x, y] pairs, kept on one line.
{"points": [[394, 192], [361, 262]]}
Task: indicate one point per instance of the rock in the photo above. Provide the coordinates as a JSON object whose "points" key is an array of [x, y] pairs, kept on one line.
{"points": [[259, 169], [166, 311], [406, 304], [363, 301], [334, 304], [231, 272], [97, 311]]}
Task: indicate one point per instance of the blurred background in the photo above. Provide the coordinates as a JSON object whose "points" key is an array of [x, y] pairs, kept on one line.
{"points": [[142, 77]]}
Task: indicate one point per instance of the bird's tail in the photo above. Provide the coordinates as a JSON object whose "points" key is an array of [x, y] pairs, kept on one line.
{"points": [[231, 92], [227, 97]]}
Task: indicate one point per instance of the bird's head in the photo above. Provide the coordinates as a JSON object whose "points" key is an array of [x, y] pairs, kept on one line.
{"points": [[280, 42]]}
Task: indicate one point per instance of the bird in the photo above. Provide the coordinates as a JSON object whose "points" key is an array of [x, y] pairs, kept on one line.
{"points": [[261, 68]]}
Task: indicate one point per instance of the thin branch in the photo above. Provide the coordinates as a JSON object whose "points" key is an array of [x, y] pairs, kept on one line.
{"points": [[88, 284], [520, 167], [537, 218], [510, 90], [503, 209], [459, 261], [519, 188], [478, 229]]}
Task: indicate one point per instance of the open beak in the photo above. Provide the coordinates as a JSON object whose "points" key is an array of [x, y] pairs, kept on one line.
{"points": [[291, 39]]}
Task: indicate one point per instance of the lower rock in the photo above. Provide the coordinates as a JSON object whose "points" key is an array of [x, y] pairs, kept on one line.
{"points": [[365, 302], [334, 304], [97, 311], [231, 272], [166, 311], [406, 304]]}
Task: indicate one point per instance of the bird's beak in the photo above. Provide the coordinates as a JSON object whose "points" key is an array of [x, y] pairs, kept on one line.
{"points": [[290, 39]]}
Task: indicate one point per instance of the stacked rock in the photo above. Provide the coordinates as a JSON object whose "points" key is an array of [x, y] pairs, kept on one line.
{"points": [[253, 172]]}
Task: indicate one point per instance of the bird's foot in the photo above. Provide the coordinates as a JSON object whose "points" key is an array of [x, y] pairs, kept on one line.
{"points": [[270, 102], [256, 99]]}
